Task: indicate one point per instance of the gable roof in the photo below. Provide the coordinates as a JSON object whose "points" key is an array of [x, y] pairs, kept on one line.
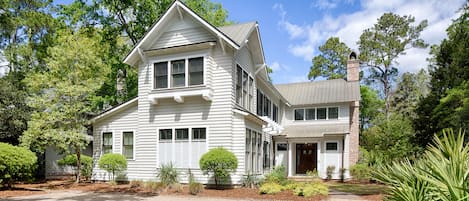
{"points": [[238, 32], [113, 109], [319, 92], [176, 6]]}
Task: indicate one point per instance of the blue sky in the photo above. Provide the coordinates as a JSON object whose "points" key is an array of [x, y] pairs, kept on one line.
{"points": [[292, 31]]}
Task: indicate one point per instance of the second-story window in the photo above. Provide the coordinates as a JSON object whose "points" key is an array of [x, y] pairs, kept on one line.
{"points": [[179, 73], [244, 88], [321, 113]]}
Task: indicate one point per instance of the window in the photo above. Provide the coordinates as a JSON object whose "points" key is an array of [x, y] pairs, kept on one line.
{"points": [[251, 92], [260, 103], [299, 114], [322, 113], [166, 134], [266, 150], [333, 113], [182, 134], [281, 146], [275, 113], [247, 158], [196, 71], [161, 75], [310, 114], [245, 89], [107, 142], [244, 85], [199, 134], [128, 145], [239, 83], [176, 71], [331, 146]]}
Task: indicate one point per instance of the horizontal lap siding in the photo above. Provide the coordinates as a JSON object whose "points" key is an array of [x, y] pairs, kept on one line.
{"points": [[123, 120], [182, 37]]}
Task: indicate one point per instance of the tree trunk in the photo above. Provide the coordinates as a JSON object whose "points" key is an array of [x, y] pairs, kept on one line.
{"points": [[78, 165], [386, 92]]}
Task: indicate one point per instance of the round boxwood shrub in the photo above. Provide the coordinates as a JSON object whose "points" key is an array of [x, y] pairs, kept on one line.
{"points": [[16, 163], [86, 164], [113, 164], [220, 162]]}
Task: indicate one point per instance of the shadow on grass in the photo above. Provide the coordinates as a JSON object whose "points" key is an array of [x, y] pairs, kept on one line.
{"points": [[358, 188]]}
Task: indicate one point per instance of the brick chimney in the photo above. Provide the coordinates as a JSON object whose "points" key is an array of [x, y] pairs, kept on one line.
{"points": [[353, 67], [353, 75]]}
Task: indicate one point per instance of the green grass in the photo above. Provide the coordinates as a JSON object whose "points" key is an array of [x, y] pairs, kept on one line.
{"points": [[358, 189]]}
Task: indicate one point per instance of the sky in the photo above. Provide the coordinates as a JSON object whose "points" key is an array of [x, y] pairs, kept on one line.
{"points": [[292, 31]]}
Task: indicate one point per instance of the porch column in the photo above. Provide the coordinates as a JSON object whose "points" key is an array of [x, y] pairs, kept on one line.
{"points": [[290, 159]]}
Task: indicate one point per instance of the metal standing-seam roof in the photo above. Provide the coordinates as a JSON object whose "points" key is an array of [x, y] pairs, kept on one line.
{"points": [[318, 92], [238, 32]]}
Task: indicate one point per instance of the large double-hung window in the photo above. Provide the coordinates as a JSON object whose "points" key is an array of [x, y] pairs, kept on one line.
{"points": [[179, 73]]}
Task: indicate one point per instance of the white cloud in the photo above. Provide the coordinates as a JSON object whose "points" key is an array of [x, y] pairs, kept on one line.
{"points": [[278, 67], [275, 66], [349, 26], [293, 79]]}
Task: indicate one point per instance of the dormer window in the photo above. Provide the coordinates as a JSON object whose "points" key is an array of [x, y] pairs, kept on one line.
{"points": [[179, 73]]}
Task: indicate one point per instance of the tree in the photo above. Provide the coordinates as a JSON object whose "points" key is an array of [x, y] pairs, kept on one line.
{"points": [[411, 88], [382, 44], [113, 164], [15, 163], [371, 105], [71, 161], [448, 71], [62, 94], [220, 162], [331, 63]]}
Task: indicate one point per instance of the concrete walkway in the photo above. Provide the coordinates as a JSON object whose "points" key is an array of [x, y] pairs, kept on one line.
{"points": [[60, 195]]}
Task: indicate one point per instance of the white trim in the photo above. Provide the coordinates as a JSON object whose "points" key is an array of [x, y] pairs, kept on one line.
{"points": [[162, 21], [124, 105], [102, 141], [332, 151], [133, 146], [243, 113], [316, 113]]}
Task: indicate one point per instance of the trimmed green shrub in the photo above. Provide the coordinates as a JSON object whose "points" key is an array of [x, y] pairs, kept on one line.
{"points": [[361, 172], [113, 164], [311, 189], [270, 188], [168, 174], [220, 162], [86, 164], [277, 175], [330, 171], [16, 163]]}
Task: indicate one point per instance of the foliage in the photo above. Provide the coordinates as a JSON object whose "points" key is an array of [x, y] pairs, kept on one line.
{"points": [[220, 162], [277, 175], [361, 172], [168, 174], [371, 105], [195, 188], [441, 174], [113, 164], [270, 188], [311, 189], [16, 163], [411, 88], [383, 43], [153, 187], [250, 181], [175, 187], [330, 171], [14, 112], [331, 63], [86, 164], [136, 184]]}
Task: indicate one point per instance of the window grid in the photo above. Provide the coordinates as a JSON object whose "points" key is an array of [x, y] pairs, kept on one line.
{"points": [[318, 113], [179, 73], [128, 145], [107, 142]]}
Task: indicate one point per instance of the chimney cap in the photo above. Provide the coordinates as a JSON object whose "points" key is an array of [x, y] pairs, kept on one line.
{"points": [[353, 56]]}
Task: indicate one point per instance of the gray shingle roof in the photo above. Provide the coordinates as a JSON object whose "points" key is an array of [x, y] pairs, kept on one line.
{"points": [[238, 32], [318, 92]]}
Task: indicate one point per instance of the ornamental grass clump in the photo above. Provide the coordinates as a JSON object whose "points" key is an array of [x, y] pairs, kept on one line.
{"points": [[441, 174], [168, 174]]}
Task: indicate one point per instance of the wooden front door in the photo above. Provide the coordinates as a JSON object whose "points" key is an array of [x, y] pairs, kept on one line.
{"points": [[306, 157]]}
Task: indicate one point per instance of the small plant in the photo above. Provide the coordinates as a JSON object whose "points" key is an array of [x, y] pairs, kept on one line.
{"points": [[136, 184], [311, 189], [113, 183], [277, 175], [176, 187], [86, 164], [168, 174], [270, 188], [153, 187], [330, 171], [249, 181], [360, 172], [292, 185], [342, 174], [113, 164], [195, 188], [16, 163], [220, 162]]}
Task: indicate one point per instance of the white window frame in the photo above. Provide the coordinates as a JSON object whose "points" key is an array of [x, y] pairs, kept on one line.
{"points": [[256, 165], [332, 151], [250, 102], [134, 145], [184, 56], [102, 140], [316, 113]]}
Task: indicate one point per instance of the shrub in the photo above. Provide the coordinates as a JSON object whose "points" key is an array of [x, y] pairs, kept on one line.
{"points": [[136, 184], [250, 181], [168, 174], [86, 164], [195, 188], [16, 163], [292, 185], [113, 164], [153, 187], [360, 172], [270, 188], [330, 171], [441, 174], [311, 189], [176, 187], [220, 162], [277, 175]]}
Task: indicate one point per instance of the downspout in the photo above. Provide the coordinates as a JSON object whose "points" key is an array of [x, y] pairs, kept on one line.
{"points": [[343, 149]]}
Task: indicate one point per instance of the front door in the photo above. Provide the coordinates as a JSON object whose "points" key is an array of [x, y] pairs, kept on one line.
{"points": [[306, 157]]}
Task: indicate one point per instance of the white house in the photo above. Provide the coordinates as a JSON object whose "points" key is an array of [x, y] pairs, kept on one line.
{"points": [[202, 87]]}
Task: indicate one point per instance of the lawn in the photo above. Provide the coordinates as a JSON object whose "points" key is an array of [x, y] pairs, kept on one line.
{"points": [[358, 188]]}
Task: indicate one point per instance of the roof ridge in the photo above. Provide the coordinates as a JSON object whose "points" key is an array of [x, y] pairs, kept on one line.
{"points": [[309, 82], [243, 23]]}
